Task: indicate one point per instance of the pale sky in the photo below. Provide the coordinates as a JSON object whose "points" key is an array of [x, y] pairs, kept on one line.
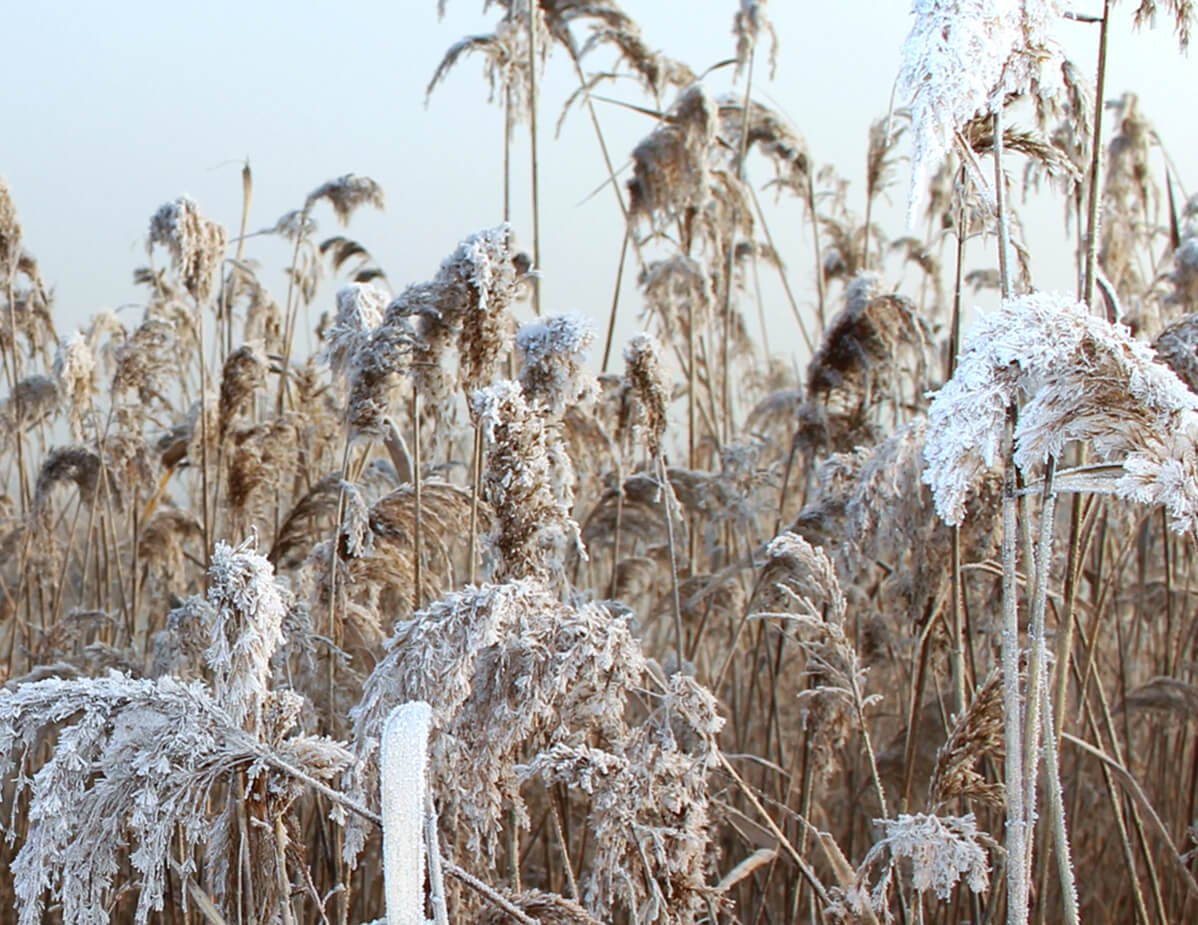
{"points": [[111, 109]]}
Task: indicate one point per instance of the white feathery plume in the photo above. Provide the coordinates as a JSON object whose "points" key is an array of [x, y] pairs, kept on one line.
{"points": [[965, 56], [555, 351], [359, 311], [1082, 379], [250, 609], [75, 369]]}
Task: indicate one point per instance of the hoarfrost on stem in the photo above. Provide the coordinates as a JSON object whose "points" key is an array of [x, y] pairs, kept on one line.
{"points": [[404, 762]]}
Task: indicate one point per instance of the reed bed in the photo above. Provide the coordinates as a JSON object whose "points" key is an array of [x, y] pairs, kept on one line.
{"points": [[431, 613]]}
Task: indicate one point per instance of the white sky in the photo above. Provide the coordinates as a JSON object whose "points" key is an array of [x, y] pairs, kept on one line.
{"points": [[110, 109]]}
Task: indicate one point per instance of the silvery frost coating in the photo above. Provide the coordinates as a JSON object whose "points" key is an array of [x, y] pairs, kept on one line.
{"points": [[1079, 378], [942, 850], [359, 311], [555, 350], [250, 609], [135, 762], [403, 764], [963, 57]]}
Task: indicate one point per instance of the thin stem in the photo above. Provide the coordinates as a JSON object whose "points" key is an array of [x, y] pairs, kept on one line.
{"points": [[666, 494], [790, 296], [418, 553], [1056, 811], [532, 140], [615, 298], [476, 458], [819, 257], [1092, 213], [281, 869], [1037, 668], [730, 262], [292, 308], [804, 868], [1017, 894], [1004, 234]]}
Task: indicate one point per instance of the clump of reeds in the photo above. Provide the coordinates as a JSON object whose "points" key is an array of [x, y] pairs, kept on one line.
{"points": [[551, 646]]}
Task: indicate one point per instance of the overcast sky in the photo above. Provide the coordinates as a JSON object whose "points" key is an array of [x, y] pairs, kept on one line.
{"points": [[110, 109]]}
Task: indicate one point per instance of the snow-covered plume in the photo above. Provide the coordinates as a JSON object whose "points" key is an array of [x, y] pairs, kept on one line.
{"points": [[524, 483], [133, 766], [1081, 378], [359, 311], [963, 57], [196, 245], [555, 350], [250, 610], [504, 668]]}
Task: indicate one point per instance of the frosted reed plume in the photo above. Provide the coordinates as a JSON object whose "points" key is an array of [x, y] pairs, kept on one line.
{"points": [[1082, 379], [555, 351], [533, 526], [139, 761], [646, 392], [243, 374], [346, 195], [963, 56], [359, 311], [468, 655], [75, 370], [867, 342], [941, 851], [196, 245], [749, 26], [671, 167], [250, 609], [10, 234]]}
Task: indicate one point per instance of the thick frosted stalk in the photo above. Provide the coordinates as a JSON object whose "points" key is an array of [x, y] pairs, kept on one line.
{"points": [[404, 760]]}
